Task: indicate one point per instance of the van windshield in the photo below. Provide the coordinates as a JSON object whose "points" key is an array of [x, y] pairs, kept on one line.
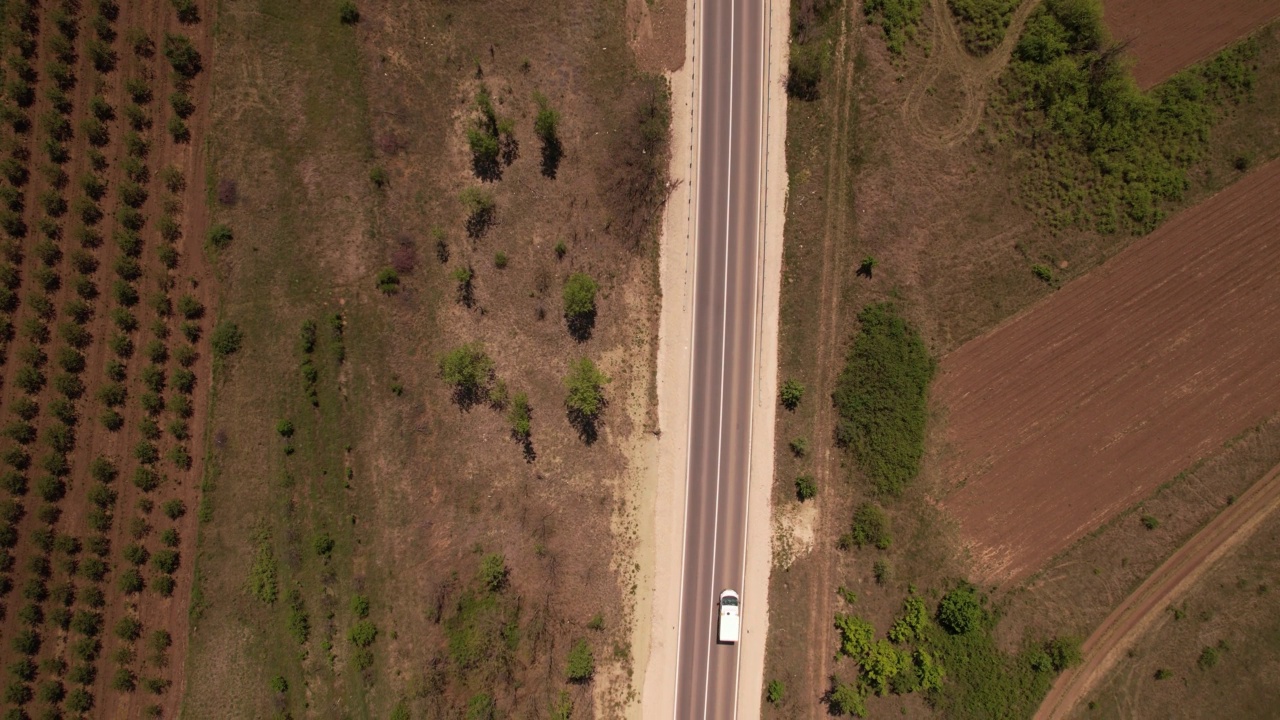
{"points": [[729, 601]]}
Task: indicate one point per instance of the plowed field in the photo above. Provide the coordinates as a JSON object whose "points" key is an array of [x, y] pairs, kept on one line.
{"points": [[1168, 35], [1081, 406]]}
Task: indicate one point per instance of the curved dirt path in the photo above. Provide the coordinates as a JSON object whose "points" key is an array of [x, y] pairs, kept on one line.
{"points": [[974, 74], [1141, 609]]}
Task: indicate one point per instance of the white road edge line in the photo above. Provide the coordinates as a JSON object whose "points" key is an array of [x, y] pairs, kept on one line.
{"points": [[724, 337], [695, 128], [762, 181]]}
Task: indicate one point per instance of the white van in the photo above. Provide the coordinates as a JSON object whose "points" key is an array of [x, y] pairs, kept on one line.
{"points": [[730, 616]]}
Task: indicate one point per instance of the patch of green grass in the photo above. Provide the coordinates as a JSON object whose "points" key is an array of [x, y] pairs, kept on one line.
{"points": [[881, 398]]}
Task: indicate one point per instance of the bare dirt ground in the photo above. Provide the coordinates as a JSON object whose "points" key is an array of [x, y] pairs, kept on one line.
{"points": [[1149, 602], [1067, 414], [1165, 36]]}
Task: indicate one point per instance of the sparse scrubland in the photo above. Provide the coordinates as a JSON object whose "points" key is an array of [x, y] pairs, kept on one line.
{"points": [[434, 239]]}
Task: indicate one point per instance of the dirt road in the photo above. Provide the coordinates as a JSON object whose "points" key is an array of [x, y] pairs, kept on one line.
{"points": [[1147, 604]]}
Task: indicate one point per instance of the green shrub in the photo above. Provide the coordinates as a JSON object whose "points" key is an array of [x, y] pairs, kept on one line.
{"points": [[225, 338], [870, 527], [469, 371], [182, 55], [776, 692], [493, 572], [982, 23], [323, 545], [913, 622], [881, 397], [348, 13], [363, 633], [806, 488], [580, 304], [582, 663], [219, 236], [799, 447], [791, 393], [263, 573], [1208, 658], [521, 417], [961, 611], [1150, 522], [388, 281], [481, 210], [360, 606], [378, 176], [585, 384]]}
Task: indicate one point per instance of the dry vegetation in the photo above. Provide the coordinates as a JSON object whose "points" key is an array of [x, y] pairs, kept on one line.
{"points": [[407, 511], [923, 200], [1213, 653]]}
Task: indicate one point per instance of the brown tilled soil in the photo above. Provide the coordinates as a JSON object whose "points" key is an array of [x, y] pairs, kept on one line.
{"points": [[1165, 36], [1084, 404]]}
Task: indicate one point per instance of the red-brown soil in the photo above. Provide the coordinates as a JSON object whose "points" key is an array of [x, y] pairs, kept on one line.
{"points": [[1085, 403], [1168, 35]]}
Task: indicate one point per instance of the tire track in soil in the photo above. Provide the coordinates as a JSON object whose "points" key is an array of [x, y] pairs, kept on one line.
{"points": [[975, 74], [1133, 617], [837, 194]]}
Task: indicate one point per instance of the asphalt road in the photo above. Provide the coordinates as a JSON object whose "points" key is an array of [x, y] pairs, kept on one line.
{"points": [[726, 288]]}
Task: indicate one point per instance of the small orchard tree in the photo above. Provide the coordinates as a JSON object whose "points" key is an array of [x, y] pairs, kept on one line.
{"points": [[580, 305], [470, 371]]}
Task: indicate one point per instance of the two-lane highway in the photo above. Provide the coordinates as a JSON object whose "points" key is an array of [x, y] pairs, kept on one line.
{"points": [[727, 238]]}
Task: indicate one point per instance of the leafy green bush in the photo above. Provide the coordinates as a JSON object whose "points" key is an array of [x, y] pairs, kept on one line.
{"points": [[881, 397], [582, 662], [263, 583], [363, 633], [493, 572], [1150, 522], [546, 125], [961, 611], [348, 13], [791, 393], [982, 23], [580, 304], [806, 488], [481, 210], [226, 338], [913, 622], [388, 281], [585, 384], [1043, 272], [469, 371], [775, 692], [521, 417], [219, 236], [870, 527]]}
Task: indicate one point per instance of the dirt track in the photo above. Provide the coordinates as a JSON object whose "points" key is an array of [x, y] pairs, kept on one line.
{"points": [[1136, 614], [1168, 35], [1084, 404]]}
